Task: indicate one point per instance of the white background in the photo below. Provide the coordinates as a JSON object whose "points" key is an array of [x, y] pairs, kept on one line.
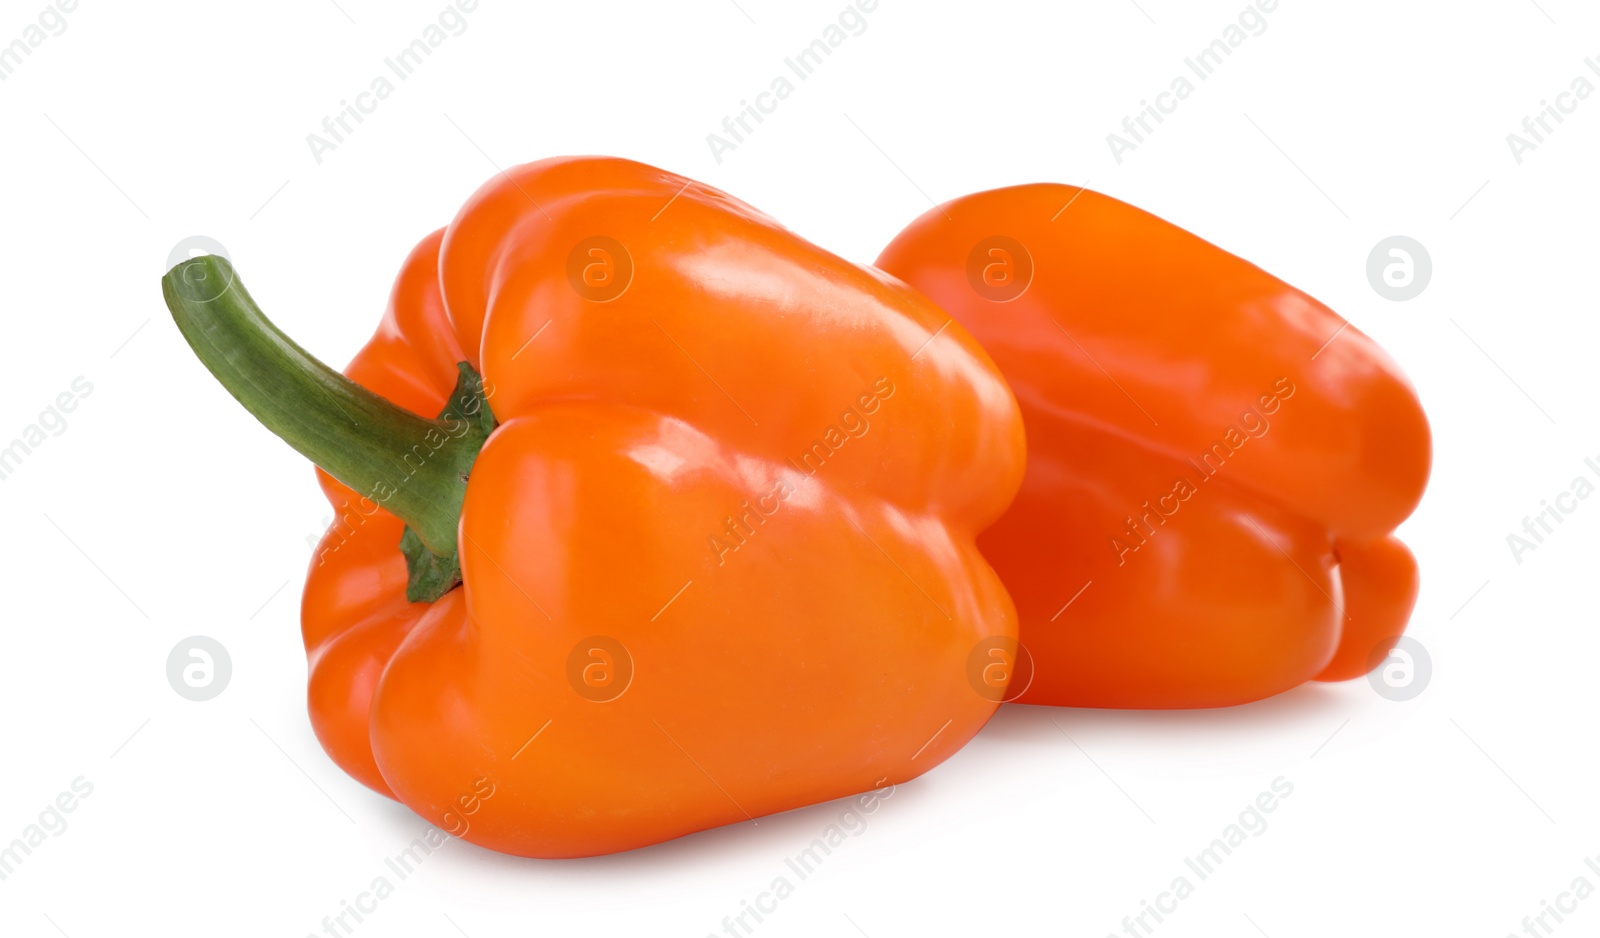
{"points": [[163, 511]]}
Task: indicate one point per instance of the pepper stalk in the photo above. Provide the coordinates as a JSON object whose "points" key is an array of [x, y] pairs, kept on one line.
{"points": [[415, 468]]}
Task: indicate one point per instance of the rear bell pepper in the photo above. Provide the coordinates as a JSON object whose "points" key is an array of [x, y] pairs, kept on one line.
{"points": [[711, 505], [1215, 459]]}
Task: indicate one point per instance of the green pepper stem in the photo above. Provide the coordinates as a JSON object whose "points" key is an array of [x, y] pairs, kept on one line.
{"points": [[413, 467]]}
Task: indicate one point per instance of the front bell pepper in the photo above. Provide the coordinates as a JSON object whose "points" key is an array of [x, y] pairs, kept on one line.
{"points": [[651, 515], [1216, 461]]}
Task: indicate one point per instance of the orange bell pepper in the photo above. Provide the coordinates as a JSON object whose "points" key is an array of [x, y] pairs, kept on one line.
{"points": [[1215, 459], [699, 545]]}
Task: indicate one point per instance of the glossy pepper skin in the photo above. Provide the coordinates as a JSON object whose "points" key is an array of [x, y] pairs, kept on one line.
{"points": [[718, 554], [1216, 461]]}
